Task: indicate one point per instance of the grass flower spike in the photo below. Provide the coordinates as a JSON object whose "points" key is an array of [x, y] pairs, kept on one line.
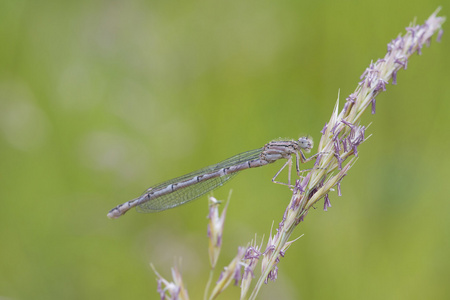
{"points": [[172, 290], [215, 230], [231, 273], [250, 260], [341, 137]]}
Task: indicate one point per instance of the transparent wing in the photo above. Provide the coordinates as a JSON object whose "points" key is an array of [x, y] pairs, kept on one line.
{"points": [[196, 190]]}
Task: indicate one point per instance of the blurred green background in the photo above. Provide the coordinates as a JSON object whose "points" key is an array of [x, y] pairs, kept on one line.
{"points": [[101, 99]]}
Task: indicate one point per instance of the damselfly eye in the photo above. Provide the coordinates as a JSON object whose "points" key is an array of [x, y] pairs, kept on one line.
{"points": [[306, 143]]}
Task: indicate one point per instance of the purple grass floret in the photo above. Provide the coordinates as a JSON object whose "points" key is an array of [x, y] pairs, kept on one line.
{"points": [[439, 36], [160, 290], [350, 100], [237, 276], [337, 145], [403, 63], [171, 290], [345, 145], [394, 77], [302, 217], [304, 182], [252, 253], [318, 158], [348, 124], [326, 202], [324, 129]]}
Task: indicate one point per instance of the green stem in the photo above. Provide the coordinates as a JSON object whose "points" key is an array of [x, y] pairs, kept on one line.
{"points": [[208, 284]]}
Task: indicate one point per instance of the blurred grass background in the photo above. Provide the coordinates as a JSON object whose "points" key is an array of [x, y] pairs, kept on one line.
{"points": [[101, 99]]}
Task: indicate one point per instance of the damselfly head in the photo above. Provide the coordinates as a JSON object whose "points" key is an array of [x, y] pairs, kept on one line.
{"points": [[306, 143]]}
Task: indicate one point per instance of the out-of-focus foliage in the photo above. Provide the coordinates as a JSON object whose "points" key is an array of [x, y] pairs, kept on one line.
{"points": [[101, 99]]}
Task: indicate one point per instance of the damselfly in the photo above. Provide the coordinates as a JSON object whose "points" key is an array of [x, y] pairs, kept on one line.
{"points": [[186, 188]]}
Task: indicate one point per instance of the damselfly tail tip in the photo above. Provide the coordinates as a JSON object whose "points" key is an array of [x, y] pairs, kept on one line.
{"points": [[114, 213], [121, 209]]}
